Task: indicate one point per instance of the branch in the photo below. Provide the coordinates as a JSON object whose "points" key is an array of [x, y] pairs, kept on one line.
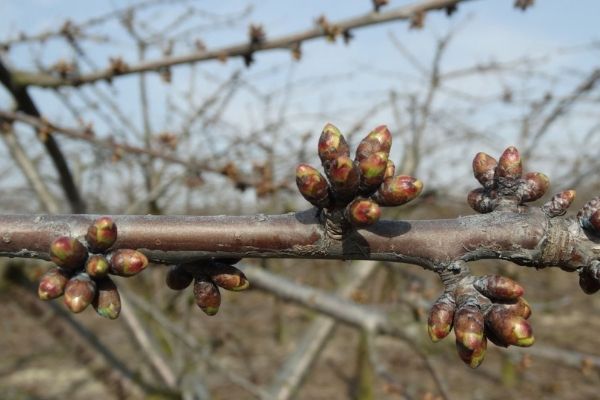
{"points": [[288, 42], [526, 238]]}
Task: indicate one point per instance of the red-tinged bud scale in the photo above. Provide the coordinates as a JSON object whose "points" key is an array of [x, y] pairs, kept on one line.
{"points": [[471, 343], [498, 287], [207, 295], [484, 169], [178, 278], [372, 170], [312, 185], [127, 262], [378, 140], [97, 266], [101, 234], [332, 144], [227, 277], [398, 190], [107, 302], [390, 170], [68, 253], [595, 221], [441, 315], [509, 165], [509, 328], [362, 212], [559, 203], [344, 176], [482, 201], [533, 186], [79, 292], [52, 284]]}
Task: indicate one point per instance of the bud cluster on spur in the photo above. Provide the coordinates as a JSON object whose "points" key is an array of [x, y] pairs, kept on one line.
{"points": [[356, 188], [83, 269]]}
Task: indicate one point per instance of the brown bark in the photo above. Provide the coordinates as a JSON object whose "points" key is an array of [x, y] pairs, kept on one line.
{"points": [[526, 237]]}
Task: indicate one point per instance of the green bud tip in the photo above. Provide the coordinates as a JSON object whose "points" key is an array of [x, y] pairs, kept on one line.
{"points": [[510, 165], [332, 144], [68, 253], [127, 262], [97, 266], [484, 167], [362, 212], [101, 234]]}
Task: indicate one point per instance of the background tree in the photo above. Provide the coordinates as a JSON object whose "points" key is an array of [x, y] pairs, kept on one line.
{"points": [[151, 109]]}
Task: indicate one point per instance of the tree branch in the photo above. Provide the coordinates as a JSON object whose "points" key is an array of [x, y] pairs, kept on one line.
{"points": [[287, 42], [527, 237]]}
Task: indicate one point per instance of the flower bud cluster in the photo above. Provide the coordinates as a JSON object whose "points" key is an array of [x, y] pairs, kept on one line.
{"points": [[83, 269], [207, 276], [359, 186]]}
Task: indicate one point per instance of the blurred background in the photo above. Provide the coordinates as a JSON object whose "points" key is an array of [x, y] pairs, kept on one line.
{"points": [[196, 108]]}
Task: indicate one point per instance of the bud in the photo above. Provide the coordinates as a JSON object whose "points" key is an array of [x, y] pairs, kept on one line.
{"points": [[498, 287], [107, 302], [344, 176], [207, 295], [127, 262], [471, 343], [178, 278], [332, 144], [101, 234], [533, 186], [52, 284], [559, 203], [362, 212], [509, 165], [79, 292], [587, 212], [509, 328], [68, 253], [372, 171], [378, 140], [589, 278], [312, 185], [482, 201], [97, 266], [390, 170], [441, 315], [484, 169], [228, 277], [595, 221], [520, 308], [398, 190]]}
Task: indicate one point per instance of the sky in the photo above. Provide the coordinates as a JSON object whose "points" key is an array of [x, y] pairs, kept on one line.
{"points": [[339, 83]]}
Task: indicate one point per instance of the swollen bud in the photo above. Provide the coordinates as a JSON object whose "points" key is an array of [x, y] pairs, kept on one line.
{"points": [[312, 185], [498, 287], [471, 343], [372, 170], [101, 234], [68, 253], [378, 140], [127, 262], [362, 212], [344, 176], [441, 315], [107, 302], [533, 186], [508, 328], [559, 203], [97, 266], [207, 295], [509, 165], [589, 218], [589, 278], [482, 201], [332, 144], [79, 292], [228, 277], [178, 278], [484, 169], [52, 284], [398, 190]]}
